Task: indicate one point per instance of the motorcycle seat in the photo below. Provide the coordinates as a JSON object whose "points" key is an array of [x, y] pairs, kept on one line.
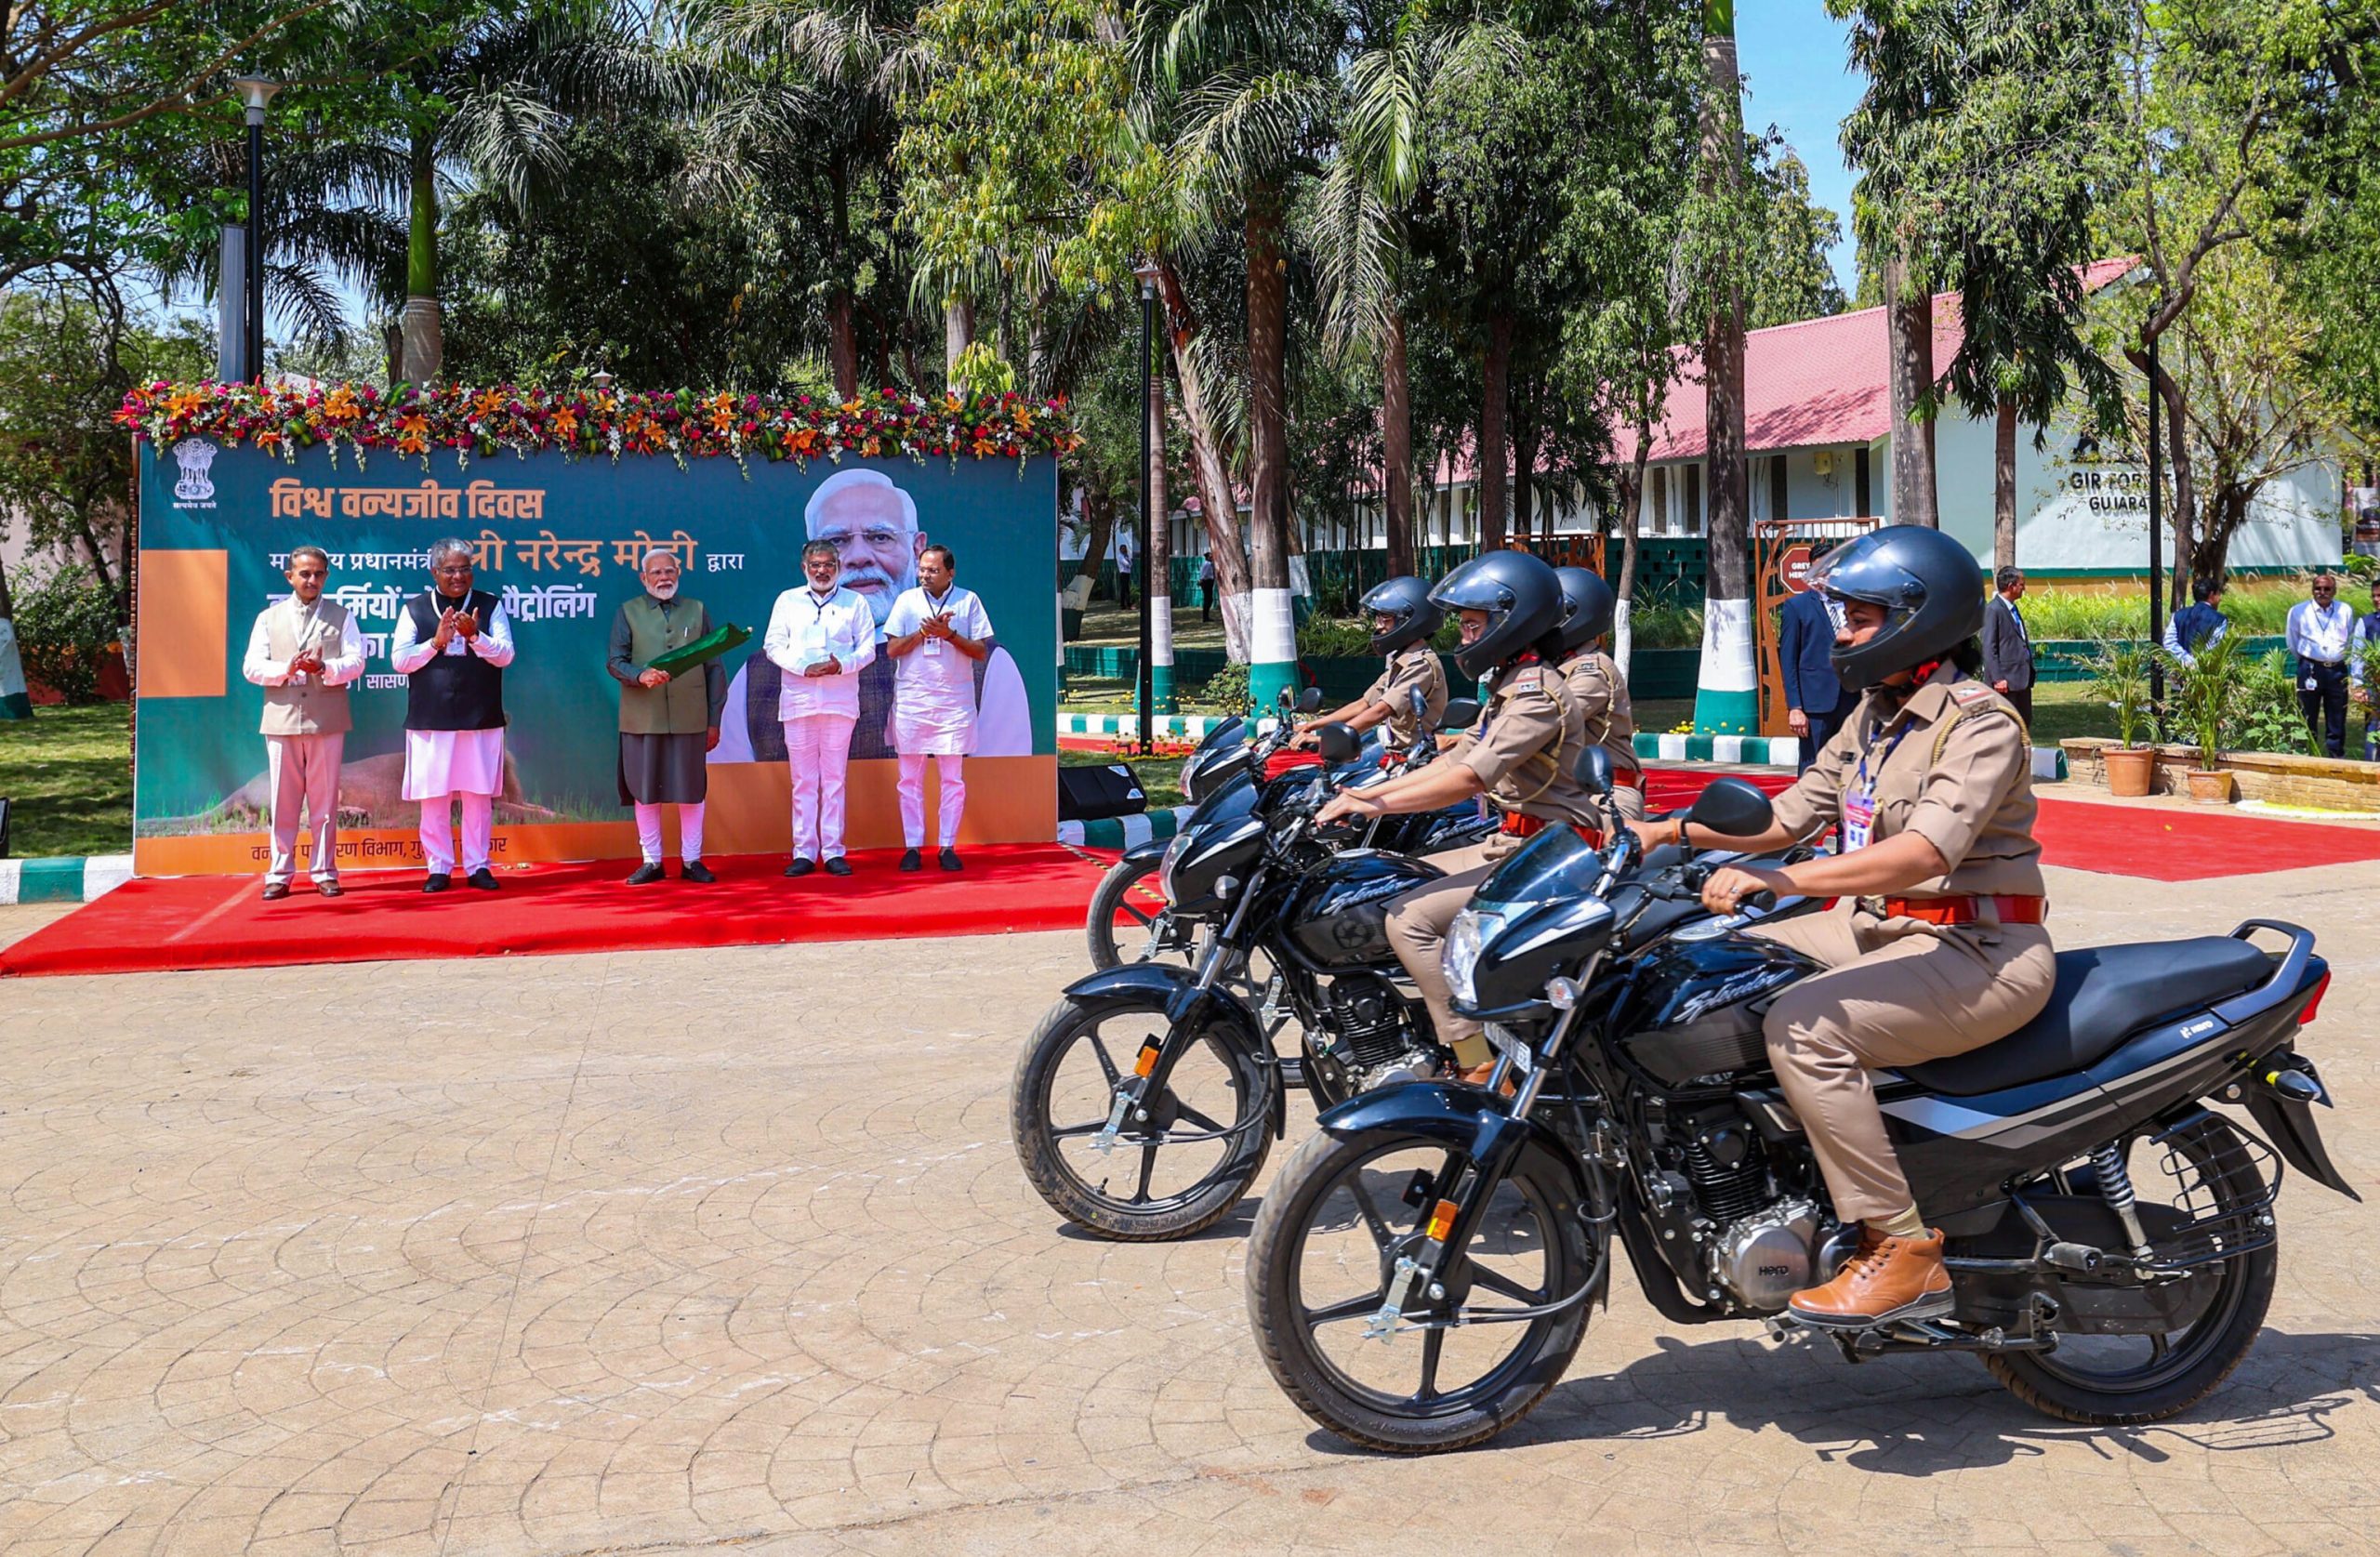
{"points": [[2103, 995]]}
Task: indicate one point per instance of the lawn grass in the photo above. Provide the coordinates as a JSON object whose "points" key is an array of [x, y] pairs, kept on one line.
{"points": [[67, 774], [1160, 776]]}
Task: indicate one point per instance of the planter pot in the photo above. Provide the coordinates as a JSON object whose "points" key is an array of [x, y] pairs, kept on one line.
{"points": [[2129, 770], [2209, 788]]}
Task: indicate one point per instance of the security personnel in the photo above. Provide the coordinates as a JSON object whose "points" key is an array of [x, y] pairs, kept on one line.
{"points": [[1404, 619], [1523, 756], [1592, 681], [1943, 950], [2322, 631]]}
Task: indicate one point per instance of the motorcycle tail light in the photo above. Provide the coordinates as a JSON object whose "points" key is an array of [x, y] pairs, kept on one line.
{"points": [[2314, 1001]]}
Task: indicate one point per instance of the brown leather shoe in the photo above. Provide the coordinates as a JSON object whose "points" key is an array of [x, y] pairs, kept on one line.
{"points": [[1889, 1279]]}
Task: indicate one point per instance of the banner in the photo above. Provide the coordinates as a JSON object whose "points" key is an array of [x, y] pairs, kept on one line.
{"points": [[558, 542]]}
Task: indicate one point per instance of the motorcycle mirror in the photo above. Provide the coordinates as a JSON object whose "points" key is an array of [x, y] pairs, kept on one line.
{"points": [[1337, 743], [1733, 807], [1309, 700], [1462, 713], [1594, 772]]}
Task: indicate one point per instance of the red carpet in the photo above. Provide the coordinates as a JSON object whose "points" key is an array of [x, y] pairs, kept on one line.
{"points": [[2153, 843], [215, 921]]}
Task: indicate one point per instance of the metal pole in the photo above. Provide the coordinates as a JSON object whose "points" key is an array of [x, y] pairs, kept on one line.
{"points": [[1148, 585], [256, 244], [2156, 554]]}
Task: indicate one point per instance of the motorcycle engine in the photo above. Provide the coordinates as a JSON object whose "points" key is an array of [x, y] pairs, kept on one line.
{"points": [[1369, 1034], [1764, 1258]]}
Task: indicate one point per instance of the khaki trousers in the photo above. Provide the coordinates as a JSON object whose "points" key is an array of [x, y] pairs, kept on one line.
{"points": [[1895, 996], [1417, 928], [303, 772]]}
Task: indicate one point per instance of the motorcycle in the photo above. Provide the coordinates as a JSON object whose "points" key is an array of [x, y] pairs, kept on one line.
{"points": [[1421, 1271], [1127, 920], [1258, 886]]}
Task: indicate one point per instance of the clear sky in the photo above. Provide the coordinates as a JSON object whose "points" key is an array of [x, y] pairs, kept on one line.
{"points": [[1793, 58]]}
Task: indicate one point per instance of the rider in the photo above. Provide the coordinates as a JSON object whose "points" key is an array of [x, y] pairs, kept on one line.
{"points": [[1404, 618], [1596, 688], [1943, 951], [1522, 755]]}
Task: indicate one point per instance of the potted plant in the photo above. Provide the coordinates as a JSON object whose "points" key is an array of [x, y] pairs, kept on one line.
{"points": [[2120, 678], [2206, 686]]}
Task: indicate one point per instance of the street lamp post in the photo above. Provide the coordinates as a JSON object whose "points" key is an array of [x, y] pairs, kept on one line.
{"points": [[255, 93], [2156, 555]]}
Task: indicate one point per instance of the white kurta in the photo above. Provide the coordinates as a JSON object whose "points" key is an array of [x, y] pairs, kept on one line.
{"points": [[933, 684], [803, 631], [442, 762]]}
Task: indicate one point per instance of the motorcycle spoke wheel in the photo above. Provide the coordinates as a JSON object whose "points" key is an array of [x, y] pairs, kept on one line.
{"points": [[1177, 1160], [1350, 1248]]}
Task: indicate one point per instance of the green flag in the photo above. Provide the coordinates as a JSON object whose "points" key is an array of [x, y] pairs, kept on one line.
{"points": [[704, 650]]}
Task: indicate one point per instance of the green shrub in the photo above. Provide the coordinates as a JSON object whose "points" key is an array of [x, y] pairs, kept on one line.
{"points": [[1334, 637], [2265, 715], [2120, 678], [65, 623], [1226, 691]]}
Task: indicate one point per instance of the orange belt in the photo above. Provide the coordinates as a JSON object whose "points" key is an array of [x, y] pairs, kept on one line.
{"points": [[1965, 910], [1519, 825]]}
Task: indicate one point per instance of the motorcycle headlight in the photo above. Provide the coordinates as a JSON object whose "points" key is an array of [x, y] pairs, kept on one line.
{"points": [[1173, 853], [1463, 940]]}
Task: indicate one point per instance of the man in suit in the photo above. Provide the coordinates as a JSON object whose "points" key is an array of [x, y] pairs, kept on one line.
{"points": [[1815, 703], [2007, 647]]}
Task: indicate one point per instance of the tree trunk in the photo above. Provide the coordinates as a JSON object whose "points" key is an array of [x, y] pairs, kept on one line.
{"points": [[1101, 509], [1397, 446], [1726, 695], [2003, 486], [958, 333], [843, 334], [1209, 471], [1632, 519], [423, 324], [1272, 647], [1908, 328], [1488, 457], [1525, 441], [1157, 553]]}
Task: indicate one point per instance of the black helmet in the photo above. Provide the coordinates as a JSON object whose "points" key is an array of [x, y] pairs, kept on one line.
{"points": [[1408, 600], [1928, 583], [1524, 604], [1587, 607]]}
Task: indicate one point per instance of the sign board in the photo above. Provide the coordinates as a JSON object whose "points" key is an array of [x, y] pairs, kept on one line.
{"points": [[1794, 568], [558, 542]]}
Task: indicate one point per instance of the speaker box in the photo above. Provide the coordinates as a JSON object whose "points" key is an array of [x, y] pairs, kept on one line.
{"points": [[1089, 794]]}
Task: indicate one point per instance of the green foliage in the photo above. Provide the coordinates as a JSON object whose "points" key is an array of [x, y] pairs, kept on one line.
{"points": [[2120, 678], [65, 620], [1334, 636], [2265, 713], [2204, 690], [1788, 276], [2257, 609], [1226, 691]]}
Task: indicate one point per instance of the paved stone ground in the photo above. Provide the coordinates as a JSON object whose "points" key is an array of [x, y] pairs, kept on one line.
{"points": [[720, 1250]]}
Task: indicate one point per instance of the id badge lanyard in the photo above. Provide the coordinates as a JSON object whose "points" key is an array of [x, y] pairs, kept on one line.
{"points": [[1859, 800]]}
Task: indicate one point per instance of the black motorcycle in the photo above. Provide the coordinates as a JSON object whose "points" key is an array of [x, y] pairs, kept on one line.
{"points": [[1153, 1065], [1223, 779], [1423, 1268]]}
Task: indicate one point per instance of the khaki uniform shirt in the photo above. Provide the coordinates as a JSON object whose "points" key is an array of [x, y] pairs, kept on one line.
{"points": [[1596, 688], [1968, 790], [1412, 668], [1527, 745]]}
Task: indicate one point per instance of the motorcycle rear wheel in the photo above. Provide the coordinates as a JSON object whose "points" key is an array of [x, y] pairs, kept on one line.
{"points": [[1217, 1111], [2113, 1381], [1334, 1206]]}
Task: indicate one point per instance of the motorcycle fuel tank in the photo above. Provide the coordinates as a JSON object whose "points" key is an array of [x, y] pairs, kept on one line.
{"points": [[1696, 1006], [1340, 918]]}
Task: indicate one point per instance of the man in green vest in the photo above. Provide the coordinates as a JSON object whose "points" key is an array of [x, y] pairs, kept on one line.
{"points": [[667, 722]]}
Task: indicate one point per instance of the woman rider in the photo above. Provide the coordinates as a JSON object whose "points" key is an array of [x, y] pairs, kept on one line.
{"points": [[1943, 949], [1522, 756]]}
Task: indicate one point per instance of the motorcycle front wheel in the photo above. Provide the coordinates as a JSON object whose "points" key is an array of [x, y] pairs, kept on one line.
{"points": [[1462, 1365], [1176, 1171], [1128, 920]]}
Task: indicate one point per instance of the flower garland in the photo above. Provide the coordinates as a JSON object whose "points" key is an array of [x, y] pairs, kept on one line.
{"points": [[586, 421]]}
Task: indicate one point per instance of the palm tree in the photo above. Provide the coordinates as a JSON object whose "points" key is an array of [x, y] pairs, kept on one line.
{"points": [[1726, 700], [1359, 232], [1259, 86], [492, 104]]}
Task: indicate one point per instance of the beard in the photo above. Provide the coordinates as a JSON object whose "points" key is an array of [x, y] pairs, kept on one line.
{"points": [[661, 591], [878, 588]]}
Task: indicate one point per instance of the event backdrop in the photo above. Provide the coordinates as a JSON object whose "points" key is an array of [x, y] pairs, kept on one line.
{"points": [[559, 541]]}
